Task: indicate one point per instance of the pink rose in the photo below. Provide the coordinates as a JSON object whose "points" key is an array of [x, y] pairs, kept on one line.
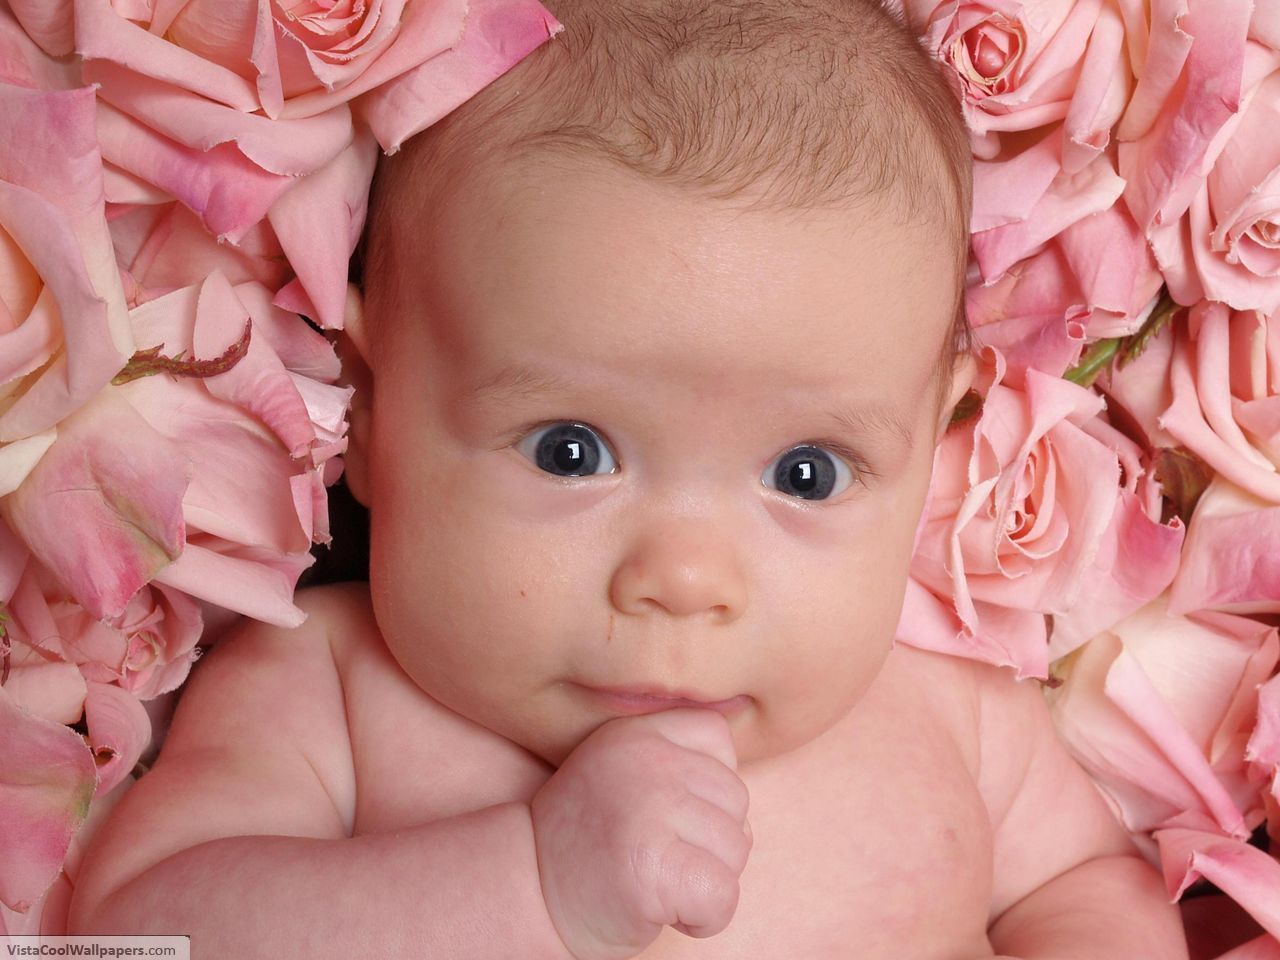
{"points": [[61, 298], [1022, 66], [1158, 710], [231, 105], [1226, 246], [216, 485], [1023, 503]]}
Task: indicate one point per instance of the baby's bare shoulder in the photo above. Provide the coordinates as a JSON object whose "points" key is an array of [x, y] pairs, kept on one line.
{"points": [[258, 746]]}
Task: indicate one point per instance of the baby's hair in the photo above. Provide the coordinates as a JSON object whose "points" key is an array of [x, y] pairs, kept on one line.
{"points": [[799, 103]]}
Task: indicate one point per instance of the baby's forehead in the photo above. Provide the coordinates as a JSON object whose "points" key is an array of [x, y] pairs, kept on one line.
{"points": [[561, 256]]}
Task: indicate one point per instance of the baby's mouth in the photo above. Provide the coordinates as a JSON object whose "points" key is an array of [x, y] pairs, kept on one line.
{"points": [[638, 700]]}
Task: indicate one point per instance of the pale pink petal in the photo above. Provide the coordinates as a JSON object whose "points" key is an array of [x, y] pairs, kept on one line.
{"points": [[51, 204], [119, 730], [1231, 559], [48, 688], [226, 190], [19, 458], [303, 351], [1136, 561], [288, 148], [1190, 849], [102, 34], [1184, 420], [102, 509], [46, 781], [1201, 45], [47, 22], [1115, 268], [248, 581], [1096, 713], [1100, 94], [498, 34], [1140, 390], [1264, 743], [1069, 199], [318, 223], [239, 487], [259, 382]]}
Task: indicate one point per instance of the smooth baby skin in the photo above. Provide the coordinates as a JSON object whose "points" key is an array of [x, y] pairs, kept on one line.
{"points": [[402, 829], [405, 768]]}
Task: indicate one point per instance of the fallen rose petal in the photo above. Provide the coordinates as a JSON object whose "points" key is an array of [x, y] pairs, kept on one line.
{"points": [[46, 781]]}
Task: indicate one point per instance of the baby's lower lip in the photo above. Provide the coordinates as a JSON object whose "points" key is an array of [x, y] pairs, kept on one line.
{"points": [[631, 704]]}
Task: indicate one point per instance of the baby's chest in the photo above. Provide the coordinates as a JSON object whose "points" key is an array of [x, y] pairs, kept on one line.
{"points": [[882, 853], [876, 845]]}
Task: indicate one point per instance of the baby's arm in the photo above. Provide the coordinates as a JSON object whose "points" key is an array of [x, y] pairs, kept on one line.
{"points": [[1068, 881], [240, 835]]}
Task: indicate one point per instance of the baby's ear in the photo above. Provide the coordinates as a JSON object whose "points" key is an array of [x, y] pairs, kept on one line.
{"points": [[962, 376], [352, 349]]}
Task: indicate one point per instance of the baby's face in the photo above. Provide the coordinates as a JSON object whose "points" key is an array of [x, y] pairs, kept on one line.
{"points": [[624, 436]]}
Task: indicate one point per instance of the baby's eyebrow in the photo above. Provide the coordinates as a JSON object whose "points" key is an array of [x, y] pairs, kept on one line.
{"points": [[517, 382]]}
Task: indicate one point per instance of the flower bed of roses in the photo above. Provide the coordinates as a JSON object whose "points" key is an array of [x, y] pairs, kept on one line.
{"points": [[1104, 515]]}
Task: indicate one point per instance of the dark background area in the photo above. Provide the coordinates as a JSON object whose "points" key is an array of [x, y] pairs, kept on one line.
{"points": [[347, 557]]}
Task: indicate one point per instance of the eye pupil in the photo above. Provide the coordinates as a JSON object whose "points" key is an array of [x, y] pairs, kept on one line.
{"points": [[806, 472], [568, 450], [568, 455]]}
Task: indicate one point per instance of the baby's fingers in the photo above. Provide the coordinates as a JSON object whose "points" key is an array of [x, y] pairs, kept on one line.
{"points": [[705, 825], [697, 892]]}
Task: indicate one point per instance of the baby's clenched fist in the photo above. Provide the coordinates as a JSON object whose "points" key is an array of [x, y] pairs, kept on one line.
{"points": [[643, 826]]}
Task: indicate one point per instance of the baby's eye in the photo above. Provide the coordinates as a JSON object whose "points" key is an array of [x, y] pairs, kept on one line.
{"points": [[568, 450], [809, 472]]}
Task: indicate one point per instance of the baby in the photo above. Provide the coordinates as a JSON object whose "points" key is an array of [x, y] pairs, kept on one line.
{"points": [[661, 332]]}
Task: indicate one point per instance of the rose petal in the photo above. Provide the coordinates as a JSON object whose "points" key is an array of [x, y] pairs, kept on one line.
{"points": [[119, 730], [46, 781], [102, 508]]}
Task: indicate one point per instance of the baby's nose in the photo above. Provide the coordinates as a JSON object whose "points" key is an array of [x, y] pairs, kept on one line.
{"points": [[685, 572]]}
